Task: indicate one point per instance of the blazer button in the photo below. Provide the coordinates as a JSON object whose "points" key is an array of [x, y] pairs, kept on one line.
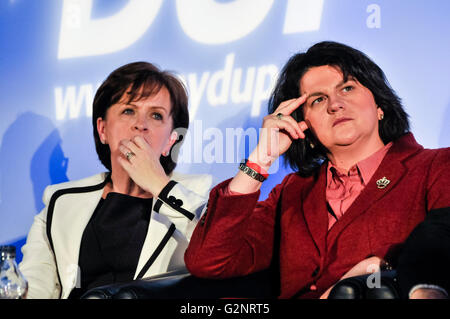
{"points": [[175, 201]]}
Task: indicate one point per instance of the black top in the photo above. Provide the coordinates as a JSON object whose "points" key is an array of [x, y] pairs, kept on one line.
{"points": [[112, 241]]}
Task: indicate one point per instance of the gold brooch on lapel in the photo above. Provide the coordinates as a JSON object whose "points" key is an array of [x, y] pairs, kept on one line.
{"points": [[383, 182]]}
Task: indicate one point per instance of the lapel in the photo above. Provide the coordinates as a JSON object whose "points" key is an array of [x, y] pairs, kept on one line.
{"points": [[166, 236], [157, 229], [71, 214], [391, 168], [315, 211]]}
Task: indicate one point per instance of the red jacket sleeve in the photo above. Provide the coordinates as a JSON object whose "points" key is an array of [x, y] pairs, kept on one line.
{"points": [[234, 236], [438, 195]]}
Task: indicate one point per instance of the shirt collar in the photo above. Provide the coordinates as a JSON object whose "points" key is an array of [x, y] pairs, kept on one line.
{"points": [[365, 168]]}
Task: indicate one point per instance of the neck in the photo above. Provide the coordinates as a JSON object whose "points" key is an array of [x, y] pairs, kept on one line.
{"points": [[346, 156]]}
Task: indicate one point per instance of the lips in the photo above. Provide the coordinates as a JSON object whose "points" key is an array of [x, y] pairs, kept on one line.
{"points": [[341, 120]]}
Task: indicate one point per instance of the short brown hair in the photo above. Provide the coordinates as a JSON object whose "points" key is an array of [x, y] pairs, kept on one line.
{"points": [[142, 79]]}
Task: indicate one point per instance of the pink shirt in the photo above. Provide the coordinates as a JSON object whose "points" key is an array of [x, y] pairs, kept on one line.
{"points": [[342, 189]]}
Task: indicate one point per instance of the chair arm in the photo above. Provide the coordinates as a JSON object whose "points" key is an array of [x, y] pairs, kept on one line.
{"points": [[380, 285], [183, 285], [109, 291]]}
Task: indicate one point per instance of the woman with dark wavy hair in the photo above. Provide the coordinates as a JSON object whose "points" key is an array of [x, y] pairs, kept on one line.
{"points": [[361, 182], [353, 64]]}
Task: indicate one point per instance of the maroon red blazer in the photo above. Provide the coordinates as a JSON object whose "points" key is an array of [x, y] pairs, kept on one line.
{"points": [[235, 236]]}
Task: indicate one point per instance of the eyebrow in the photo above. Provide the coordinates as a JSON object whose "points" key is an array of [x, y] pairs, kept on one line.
{"points": [[152, 106], [319, 93]]}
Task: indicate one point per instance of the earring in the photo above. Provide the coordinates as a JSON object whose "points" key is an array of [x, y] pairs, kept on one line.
{"points": [[311, 144], [381, 116]]}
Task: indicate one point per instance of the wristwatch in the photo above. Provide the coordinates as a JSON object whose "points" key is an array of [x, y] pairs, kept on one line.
{"points": [[251, 172]]}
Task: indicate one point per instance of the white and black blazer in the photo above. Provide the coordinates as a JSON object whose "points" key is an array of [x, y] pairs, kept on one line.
{"points": [[50, 255]]}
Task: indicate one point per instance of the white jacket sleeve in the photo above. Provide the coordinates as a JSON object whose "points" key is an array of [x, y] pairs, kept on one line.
{"points": [[183, 201], [38, 263]]}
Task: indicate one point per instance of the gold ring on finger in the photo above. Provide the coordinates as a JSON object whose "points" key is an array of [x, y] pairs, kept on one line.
{"points": [[129, 155]]}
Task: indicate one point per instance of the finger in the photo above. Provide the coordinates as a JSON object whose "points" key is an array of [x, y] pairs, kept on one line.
{"points": [[303, 127], [126, 152], [126, 165], [287, 120], [288, 127], [294, 124], [140, 142], [284, 104], [308, 124], [271, 121], [289, 106], [131, 145], [144, 145], [281, 108]]}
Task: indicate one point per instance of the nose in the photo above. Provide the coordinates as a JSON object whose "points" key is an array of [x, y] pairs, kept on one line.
{"points": [[141, 124], [335, 104]]}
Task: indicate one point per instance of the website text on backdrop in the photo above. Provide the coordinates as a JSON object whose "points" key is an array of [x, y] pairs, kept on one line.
{"points": [[361, 183], [133, 221]]}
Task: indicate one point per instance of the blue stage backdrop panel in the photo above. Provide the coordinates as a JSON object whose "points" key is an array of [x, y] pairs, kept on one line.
{"points": [[56, 53]]}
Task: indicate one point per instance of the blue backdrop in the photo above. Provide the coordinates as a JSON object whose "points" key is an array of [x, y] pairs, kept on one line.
{"points": [[54, 54]]}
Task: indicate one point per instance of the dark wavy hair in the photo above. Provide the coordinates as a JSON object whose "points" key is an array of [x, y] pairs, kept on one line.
{"points": [[303, 158], [140, 80]]}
